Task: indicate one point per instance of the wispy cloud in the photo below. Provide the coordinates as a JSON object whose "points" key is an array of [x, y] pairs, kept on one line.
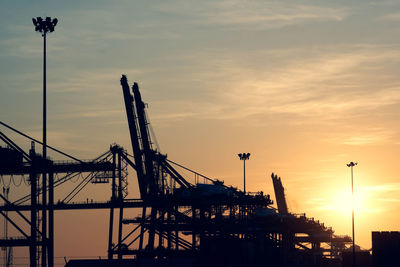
{"points": [[386, 195], [361, 140], [391, 17], [390, 187], [254, 15], [93, 80], [325, 84], [175, 116], [367, 137]]}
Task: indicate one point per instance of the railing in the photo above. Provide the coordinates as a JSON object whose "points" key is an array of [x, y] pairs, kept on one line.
{"points": [[65, 162], [197, 176]]}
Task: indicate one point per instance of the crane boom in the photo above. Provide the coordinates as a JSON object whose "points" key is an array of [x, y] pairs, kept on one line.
{"points": [[279, 194], [145, 138], [135, 137], [150, 165]]}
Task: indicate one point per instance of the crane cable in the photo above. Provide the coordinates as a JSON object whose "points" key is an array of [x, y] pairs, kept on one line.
{"points": [[37, 141]]}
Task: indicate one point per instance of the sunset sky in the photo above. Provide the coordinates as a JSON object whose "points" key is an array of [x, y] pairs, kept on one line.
{"points": [[305, 86]]}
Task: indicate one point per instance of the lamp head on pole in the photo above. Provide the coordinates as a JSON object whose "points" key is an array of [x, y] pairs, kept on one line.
{"points": [[352, 164], [244, 156], [44, 26]]}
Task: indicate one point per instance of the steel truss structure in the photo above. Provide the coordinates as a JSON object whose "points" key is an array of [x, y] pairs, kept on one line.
{"points": [[180, 219]]}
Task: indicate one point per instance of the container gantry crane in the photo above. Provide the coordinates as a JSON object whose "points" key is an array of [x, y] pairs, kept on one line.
{"points": [[197, 220], [182, 220]]}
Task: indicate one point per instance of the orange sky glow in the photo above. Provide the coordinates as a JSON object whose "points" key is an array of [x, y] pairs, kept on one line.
{"points": [[305, 87]]}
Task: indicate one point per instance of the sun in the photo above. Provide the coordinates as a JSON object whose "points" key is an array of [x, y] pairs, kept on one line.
{"points": [[343, 202]]}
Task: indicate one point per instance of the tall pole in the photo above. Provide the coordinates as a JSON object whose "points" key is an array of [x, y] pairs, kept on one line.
{"points": [[244, 157], [351, 165], [44, 26], [244, 176], [44, 187], [352, 218]]}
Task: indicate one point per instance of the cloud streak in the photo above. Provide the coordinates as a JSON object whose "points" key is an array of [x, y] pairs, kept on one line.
{"points": [[391, 17], [253, 15], [368, 136], [326, 84]]}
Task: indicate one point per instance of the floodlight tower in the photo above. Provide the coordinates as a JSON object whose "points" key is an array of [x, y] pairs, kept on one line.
{"points": [[351, 165], [45, 26], [244, 157]]}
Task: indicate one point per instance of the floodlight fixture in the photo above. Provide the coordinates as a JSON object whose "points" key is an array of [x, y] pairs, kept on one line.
{"points": [[44, 26], [244, 156], [352, 164]]}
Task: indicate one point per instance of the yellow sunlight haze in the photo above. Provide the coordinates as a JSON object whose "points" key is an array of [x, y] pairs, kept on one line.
{"points": [[343, 202]]}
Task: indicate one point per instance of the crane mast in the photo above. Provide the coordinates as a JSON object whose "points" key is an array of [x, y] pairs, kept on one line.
{"points": [[135, 137], [147, 152], [148, 155], [279, 194]]}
